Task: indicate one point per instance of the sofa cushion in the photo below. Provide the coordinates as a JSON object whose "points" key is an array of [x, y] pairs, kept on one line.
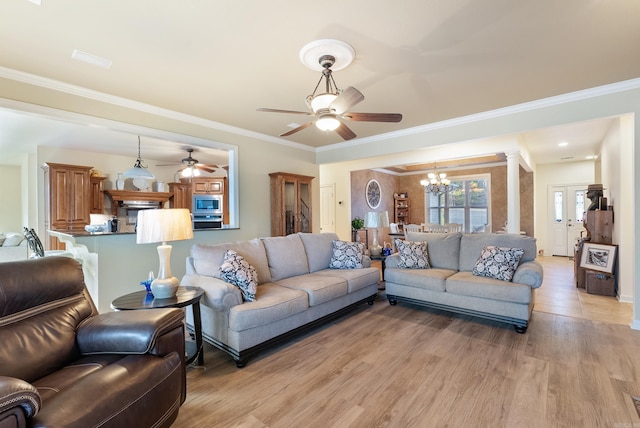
{"points": [[319, 249], [413, 255], [467, 284], [286, 256], [237, 271], [207, 258], [346, 255], [273, 303], [444, 248], [357, 279], [320, 288], [433, 279], [498, 262], [471, 246]]}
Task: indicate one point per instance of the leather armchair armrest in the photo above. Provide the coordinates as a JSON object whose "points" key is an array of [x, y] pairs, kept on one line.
{"points": [[218, 295], [18, 400], [127, 332]]}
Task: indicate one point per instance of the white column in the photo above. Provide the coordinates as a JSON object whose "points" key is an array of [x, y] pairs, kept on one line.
{"points": [[513, 192]]}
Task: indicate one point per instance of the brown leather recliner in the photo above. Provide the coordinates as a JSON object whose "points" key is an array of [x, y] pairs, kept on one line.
{"points": [[64, 365]]}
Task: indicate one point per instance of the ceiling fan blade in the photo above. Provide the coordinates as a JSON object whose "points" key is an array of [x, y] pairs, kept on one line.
{"points": [[347, 99], [373, 117], [299, 128], [345, 132], [207, 168], [275, 110]]}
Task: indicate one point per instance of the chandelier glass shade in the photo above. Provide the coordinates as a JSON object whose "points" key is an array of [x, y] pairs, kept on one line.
{"points": [[437, 183], [139, 169]]}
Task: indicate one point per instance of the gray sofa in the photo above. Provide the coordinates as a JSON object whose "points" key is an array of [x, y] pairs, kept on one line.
{"points": [[296, 291], [450, 284]]}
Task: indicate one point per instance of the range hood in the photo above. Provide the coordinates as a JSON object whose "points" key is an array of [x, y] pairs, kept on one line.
{"points": [[135, 200], [140, 205]]}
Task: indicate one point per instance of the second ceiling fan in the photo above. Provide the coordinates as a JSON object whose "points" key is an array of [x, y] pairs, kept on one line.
{"points": [[331, 109], [190, 166]]}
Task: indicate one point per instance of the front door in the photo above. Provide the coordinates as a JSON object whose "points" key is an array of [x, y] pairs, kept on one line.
{"points": [[567, 205]]}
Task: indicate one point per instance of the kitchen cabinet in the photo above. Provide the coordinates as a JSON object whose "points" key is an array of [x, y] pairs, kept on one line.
{"points": [[290, 203], [181, 195], [214, 186], [67, 199], [97, 195]]}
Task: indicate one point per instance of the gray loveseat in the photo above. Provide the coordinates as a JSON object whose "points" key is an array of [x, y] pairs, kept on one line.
{"points": [[450, 284], [296, 290]]}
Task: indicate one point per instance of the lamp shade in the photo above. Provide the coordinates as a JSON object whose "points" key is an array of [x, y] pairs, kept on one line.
{"points": [[138, 172], [376, 219], [163, 225]]}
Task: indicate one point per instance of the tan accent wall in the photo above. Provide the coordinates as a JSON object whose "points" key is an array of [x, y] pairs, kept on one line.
{"points": [[410, 184]]}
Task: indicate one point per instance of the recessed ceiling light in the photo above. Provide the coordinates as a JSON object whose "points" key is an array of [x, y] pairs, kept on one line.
{"points": [[563, 144], [293, 125], [90, 58]]}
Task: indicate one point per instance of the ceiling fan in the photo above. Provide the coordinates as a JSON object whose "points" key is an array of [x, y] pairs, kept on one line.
{"points": [[190, 166], [331, 108]]}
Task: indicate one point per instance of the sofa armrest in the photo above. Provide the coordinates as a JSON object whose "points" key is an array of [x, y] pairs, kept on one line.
{"points": [[127, 332], [392, 260], [218, 295], [366, 261], [18, 399], [529, 273]]}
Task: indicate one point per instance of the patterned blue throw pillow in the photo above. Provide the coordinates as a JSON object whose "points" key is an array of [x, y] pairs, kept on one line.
{"points": [[498, 262], [237, 271], [346, 255], [413, 255]]}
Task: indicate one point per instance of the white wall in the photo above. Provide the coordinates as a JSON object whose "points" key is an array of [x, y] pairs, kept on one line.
{"points": [[11, 192], [569, 174]]}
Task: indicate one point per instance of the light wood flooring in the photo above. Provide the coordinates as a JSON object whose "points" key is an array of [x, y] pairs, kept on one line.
{"points": [[407, 366]]}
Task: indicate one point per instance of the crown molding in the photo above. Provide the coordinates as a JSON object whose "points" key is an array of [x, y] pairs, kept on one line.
{"points": [[597, 91], [79, 91]]}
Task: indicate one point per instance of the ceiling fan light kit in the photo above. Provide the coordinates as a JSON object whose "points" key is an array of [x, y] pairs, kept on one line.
{"points": [[331, 107]]}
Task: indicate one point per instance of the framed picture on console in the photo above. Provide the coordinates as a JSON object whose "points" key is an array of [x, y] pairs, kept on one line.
{"points": [[599, 257]]}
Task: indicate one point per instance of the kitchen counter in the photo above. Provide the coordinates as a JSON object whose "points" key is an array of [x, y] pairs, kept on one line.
{"points": [[83, 234]]}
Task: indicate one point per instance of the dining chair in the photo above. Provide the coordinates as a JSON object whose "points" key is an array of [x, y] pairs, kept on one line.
{"points": [[453, 227]]}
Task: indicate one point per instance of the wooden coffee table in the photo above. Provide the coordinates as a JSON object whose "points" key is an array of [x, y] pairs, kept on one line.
{"points": [[185, 296]]}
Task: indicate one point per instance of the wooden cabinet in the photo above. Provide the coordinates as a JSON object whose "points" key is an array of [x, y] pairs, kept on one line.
{"points": [[290, 203], [97, 195], [402, 210], [599, 225], [208, 185], [181, 195], [67, 199]]}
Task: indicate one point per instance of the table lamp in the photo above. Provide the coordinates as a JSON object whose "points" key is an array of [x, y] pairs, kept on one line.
{"points": [[164, 225], [374, 220]]}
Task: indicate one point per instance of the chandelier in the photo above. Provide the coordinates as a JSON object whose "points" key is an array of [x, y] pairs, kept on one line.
{"points": [[437, 183]]}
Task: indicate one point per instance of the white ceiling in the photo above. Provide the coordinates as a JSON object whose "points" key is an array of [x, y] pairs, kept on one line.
{"points": [[429, 60]]}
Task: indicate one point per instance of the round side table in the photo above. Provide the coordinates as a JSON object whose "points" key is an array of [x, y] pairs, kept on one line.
{"points": [[185, 296]]}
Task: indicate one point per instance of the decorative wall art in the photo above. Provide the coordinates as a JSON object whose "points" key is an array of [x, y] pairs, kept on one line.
{"points": [[599, 257]]}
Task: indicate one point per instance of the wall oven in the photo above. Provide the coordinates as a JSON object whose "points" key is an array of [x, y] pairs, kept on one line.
{"points": [[207, 211]]}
